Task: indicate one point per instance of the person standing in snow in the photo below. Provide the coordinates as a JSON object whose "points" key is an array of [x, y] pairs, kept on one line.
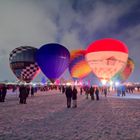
{"points": [[74, 97], [97, 93], [68, 93]]}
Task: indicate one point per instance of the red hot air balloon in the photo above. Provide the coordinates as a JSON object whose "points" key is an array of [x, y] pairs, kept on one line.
{"points": [[106, 57]]}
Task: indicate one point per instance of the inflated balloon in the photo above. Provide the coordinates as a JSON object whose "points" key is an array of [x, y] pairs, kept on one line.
{"points": [[124, 74], [22, 63], [106, 57], [53, 59], [78, 67]]}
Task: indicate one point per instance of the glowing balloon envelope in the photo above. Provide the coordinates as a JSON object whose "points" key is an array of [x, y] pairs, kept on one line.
{"points": [[78, 67], [124, 74], [53, 59], [106, 57], [22, 63]]}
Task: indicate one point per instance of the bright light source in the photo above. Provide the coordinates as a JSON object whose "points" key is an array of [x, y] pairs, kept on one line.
{"points": [[75, 83], [117, 83], [80, 83], [68, 84], [41, 84], [34, 84], [111, 83], [103, 81]]}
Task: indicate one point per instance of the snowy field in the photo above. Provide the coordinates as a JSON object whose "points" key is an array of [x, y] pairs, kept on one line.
{"points": [[45, 117]]}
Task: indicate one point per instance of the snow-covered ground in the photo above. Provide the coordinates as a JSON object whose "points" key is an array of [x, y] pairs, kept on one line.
{"points": [[45, 117]]}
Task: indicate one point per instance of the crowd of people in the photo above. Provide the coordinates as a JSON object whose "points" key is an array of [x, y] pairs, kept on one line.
{"points": [[70, 92], [24, 91], [92, 91]]}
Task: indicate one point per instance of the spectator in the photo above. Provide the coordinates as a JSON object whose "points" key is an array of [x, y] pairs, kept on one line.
{"points": [[91, 91], [23, 94], [74, 97], [4, 91], [68, 93], [97, 93]]}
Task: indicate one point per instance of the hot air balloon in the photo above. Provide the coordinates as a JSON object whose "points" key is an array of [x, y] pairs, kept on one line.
{"points": [[106, 57], [124, 74], [78, 67], [22, 63], [53, 60]]}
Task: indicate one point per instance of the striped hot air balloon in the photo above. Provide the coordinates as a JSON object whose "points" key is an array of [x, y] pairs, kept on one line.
{"points": [[78, 66], [124, 74]]}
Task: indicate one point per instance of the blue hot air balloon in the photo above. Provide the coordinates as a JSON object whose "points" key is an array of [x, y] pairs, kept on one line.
{"points": [[22, 63], [53, 59]]}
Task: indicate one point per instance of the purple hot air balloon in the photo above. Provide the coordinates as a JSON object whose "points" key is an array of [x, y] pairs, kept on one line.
{"points": [[53, 59]]}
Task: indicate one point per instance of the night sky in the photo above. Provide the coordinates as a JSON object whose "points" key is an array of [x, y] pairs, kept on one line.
{"points": [[72, 23]]}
